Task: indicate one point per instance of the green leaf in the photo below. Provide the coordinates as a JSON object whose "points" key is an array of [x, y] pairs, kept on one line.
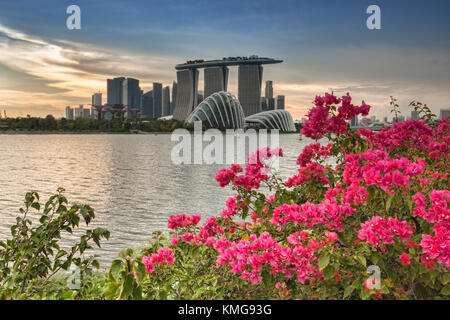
{"points": [[389, 202], [328, 272], [110, 291], [446, 291], [115, 268], [324, 261], [348, 291], [127, 287], [362, 260]]}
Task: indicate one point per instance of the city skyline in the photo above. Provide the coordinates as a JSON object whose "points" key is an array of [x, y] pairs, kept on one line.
{"points": [[44, 66]]}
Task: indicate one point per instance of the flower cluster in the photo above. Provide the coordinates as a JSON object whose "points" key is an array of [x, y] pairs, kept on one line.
{"points": [[225, 176], [320, 121], [376, 168], [164, 255], [328, 213], [247, 257], [380, 230], [312, 172], [183, 221], [257, 168], [438, 211], [437, 247], [313, 151]]}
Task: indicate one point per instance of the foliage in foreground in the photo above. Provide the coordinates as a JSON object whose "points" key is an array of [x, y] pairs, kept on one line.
{"points": [[374, 226], [31, 261]]}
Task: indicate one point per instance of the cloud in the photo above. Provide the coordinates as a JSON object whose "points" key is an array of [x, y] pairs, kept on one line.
{"points": [[62, 72]]}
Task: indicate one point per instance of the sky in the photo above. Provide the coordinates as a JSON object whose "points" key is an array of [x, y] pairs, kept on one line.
{"points": [[325, 46]]}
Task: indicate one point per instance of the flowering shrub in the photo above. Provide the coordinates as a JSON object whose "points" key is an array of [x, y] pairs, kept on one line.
{"points": [[384, 203]]}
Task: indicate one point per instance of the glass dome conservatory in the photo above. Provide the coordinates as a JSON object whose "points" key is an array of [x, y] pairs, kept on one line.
{"points": [[272, 119], [220, 110]]}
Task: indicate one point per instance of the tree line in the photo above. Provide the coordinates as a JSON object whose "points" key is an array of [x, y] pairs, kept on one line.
{"points": [[49, 123]]}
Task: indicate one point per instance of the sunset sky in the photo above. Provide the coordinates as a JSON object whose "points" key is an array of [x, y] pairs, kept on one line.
{"points": [[325, 46]]}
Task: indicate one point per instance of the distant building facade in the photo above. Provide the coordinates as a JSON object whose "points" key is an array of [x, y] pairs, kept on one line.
{"points": [[186, 100], [249, 88], [215, 80], [147, 105], [174, 97], [69, 113], [157, 100], [131, 93], [114, 91], [97, 99], [279, 102], [165, 101]]}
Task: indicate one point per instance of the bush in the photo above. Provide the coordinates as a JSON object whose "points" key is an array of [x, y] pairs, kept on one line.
{"points": [[375, 225], [31, 261]]}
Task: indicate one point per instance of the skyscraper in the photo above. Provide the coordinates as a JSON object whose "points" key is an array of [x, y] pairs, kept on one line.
{"points": [[354, 122], [114, 91], [166, 101], [249, 88], [131, 94], [69, 113], [157, 100], [174, 96], [263, 104], [270, 101], [279, 102], [216, 79], [96, 99], [186, 99], [147, 105], [269, 89], [79, 112], [415, 115]]}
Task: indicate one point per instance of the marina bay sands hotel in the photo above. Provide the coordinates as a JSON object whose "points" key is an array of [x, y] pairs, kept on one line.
{"points": [[215, 80]]}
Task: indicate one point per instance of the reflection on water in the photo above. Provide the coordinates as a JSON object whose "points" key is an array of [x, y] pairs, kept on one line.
{"points": [[129, 180]]}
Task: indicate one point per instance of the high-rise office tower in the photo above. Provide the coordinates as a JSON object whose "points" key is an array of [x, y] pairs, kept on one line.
{"points": [[263, 104], [279, 102], [69, 113], [249, 88], [79, 112], [131, 94], [114, 91], [269, 89], [147, 105], [93, 114], [186, 99], [96, 99], [270, 101], [86, 113], [216, 79], [166, 101], [174, 96], [157, 100]]}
